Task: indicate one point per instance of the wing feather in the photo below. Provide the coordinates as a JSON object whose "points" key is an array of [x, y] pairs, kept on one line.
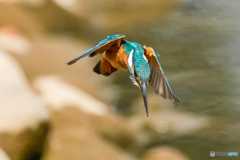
{"points": [[157, 80], [99, 47]]}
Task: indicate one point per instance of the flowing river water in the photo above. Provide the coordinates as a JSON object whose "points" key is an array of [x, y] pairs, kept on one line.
{"points": [[200, 54]]}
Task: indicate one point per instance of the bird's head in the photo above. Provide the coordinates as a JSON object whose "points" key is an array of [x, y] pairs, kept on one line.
{"points": [[138, 65], [142, 75], [141, 68]]}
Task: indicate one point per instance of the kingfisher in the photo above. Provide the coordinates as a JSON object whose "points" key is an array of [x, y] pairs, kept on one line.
{"points": [[140, 60]]}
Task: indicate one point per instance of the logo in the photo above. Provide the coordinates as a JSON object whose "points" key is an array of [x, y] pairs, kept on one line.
{"points": [[213, 154]]}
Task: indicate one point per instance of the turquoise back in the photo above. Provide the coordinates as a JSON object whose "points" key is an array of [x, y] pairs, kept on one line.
{"points": [[141, 66]]}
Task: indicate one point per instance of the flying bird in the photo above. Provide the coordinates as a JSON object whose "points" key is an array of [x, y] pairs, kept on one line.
{"points": [[140, 60]]}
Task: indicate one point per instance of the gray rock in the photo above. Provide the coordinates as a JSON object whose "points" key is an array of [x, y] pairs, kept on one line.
{"points": [[59, 94], [19, 106], [23, 116]]}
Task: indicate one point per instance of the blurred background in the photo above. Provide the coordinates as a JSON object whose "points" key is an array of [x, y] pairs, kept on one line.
{"points": [[51, 111]]}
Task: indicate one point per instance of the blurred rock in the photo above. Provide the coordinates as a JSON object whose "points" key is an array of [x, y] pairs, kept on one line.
{"points": [[3, 155], [34, 3], [23, 117], [115, 129], [19, 106], [9, 1], [26, 145], [59, 94], [116, 14], [74, 136], [11, 40], [165, 153], [85, 19], [166, 124], [16, 15], [54, 19], [179, 123]]}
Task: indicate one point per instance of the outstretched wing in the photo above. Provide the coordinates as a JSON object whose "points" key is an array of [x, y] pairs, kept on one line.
{"points": [[100, 47], [157, 78]]}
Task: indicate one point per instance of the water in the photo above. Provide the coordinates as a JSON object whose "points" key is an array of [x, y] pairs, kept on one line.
{"points": [[200, 54]]}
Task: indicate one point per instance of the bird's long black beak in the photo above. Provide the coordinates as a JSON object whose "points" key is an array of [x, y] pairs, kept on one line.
{"points": [[144, 93]]}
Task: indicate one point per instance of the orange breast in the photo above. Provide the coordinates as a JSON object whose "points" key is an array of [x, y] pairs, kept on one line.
{"points": [[118, 59]]}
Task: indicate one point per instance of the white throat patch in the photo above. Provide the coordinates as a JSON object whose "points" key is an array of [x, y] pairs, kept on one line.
{"points": [[145, 57], [130, 57]]}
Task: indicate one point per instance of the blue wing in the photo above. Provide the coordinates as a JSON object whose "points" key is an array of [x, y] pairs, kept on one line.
{"points": [[99, 47]]}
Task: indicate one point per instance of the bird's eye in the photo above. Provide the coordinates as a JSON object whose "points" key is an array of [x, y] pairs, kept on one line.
{"points": [[135, 74]]}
